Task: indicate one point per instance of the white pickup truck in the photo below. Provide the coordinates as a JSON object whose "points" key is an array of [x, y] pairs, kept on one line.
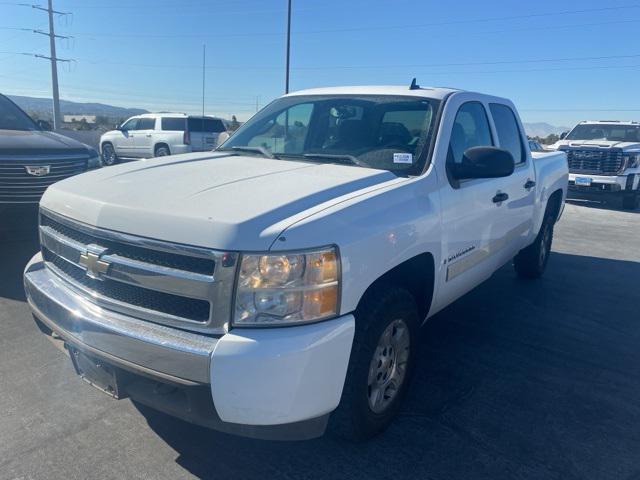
{"points": [[604, 161], [276, 286]]}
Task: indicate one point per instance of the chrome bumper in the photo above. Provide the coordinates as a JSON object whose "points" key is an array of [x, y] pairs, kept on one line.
{"points": [[140, 346]]}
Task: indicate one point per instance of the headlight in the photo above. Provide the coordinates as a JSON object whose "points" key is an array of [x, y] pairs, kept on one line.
{"points": [[94, 160], [633, 160], [287, 288]]}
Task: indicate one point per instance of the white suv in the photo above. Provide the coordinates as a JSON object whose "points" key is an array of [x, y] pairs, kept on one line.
{"points": [[161, 134]]}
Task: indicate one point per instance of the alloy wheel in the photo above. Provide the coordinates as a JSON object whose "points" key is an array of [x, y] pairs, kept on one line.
{"points": [[388, 367]]}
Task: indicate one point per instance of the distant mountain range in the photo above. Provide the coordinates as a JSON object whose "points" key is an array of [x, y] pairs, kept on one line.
{"points": [[543, 130], [42, 106]]}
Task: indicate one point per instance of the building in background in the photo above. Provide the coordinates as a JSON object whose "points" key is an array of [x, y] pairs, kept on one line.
{"points": [[80, 118]]}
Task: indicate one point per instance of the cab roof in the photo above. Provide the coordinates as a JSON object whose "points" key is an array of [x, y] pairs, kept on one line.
{"points": [[437, 93], [608, 122], [173, 115]]}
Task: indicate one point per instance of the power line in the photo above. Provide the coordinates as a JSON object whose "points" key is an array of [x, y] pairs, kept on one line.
{"points": [[52, 57]]}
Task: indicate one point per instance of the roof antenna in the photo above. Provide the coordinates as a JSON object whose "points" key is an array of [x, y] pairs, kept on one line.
{"points": [[414, 85]]}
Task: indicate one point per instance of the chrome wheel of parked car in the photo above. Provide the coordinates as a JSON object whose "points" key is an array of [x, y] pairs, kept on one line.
{"points": [[387, 371], [109, 156], [162, 151]]}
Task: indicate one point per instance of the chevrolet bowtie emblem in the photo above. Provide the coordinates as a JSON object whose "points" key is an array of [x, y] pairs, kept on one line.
{"points": [[92, 262]]}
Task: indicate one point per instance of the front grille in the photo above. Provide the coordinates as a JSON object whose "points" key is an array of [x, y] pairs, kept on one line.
{"points": [[595, 162], [18, 186], [177, 285], [165, 259], [193, 309]]}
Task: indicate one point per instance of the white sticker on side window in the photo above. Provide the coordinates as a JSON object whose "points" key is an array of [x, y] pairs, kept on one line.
{"points": [[403, 158]]}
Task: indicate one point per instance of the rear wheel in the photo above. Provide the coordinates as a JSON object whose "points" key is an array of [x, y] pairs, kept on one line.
{"points": [[631, 201], [162, 151], [109, 156], [532, 261], [381, 363]]}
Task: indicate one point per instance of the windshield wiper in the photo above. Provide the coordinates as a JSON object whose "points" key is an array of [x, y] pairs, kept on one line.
{"points": [[350, 159], [261, 150]]}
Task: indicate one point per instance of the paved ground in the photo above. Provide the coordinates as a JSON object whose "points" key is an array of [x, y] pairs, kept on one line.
{"points": [[517, 380]]}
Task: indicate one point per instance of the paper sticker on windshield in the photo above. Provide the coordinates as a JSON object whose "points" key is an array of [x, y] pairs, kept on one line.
{"points": [[403, 158]]}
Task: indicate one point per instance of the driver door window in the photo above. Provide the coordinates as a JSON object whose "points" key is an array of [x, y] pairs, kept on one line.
{"points": [[130, 125], [287, 132], [470, 129]]}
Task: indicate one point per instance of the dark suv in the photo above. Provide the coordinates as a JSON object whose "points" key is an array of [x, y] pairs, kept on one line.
{"points": [[31, 159]]}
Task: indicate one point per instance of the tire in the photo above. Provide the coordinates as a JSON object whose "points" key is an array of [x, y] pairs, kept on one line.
{"points": [[631, 202], [387, 316], [162, 151], [109, 156], [531, 262]]}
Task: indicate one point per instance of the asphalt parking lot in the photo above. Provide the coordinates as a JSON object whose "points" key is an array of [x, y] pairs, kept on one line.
{"points": [[517, 379]]}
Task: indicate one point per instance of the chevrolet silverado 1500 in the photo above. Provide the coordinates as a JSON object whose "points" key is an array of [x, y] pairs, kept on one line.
{"points": [[276, 285]]}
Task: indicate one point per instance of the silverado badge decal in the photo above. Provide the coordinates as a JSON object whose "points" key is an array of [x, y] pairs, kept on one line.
{"points": [[39, 170]]}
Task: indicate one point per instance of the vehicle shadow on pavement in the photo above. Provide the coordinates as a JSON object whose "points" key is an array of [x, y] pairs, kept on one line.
{"points": [[602, 205], [18, 243], [526, 379]]}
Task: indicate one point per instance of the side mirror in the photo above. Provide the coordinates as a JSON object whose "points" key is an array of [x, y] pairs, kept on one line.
{"points": [[563, 135], [44, 125], [484, 162], [117, 127]]}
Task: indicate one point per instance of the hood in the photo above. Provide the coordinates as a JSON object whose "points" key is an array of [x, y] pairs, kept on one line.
{"points": [[595, 144], [214, 200], [22, 142]]}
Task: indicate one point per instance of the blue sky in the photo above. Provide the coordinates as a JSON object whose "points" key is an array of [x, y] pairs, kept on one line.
{"points": [[559, 60]]}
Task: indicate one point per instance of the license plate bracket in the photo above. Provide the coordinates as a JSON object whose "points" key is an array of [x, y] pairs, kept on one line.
{"points": [[97, 373], [583, 181]]}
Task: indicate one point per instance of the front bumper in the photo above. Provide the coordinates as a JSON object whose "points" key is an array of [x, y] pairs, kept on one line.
{"points": [[259, 381], [603, 185]]}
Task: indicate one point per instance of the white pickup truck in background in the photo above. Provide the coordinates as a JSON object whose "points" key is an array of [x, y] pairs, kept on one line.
{"points": [[604, 161], [276, 286]]}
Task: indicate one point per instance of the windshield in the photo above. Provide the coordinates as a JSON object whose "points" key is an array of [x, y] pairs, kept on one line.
{"points": [[12, 118], [383, 132], [614, 133]]}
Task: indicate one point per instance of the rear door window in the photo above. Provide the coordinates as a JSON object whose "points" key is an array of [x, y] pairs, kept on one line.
{"points": [[509, 135], [174, 124]]}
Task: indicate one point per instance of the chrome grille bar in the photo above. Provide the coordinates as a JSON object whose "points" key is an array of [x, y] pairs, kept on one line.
{"points": [[595, 162], [148, 279]]}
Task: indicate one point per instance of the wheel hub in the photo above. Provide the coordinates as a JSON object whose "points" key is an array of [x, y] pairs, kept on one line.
{"points": [[387, 370]]}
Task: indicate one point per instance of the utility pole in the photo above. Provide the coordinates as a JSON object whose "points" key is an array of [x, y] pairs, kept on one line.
{"points": [[286, 83], [204, 56], [57, 120]]}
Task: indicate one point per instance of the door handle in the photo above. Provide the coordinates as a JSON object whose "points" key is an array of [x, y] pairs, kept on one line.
{"points": [[500, 197], [529, 185], [149, 136]]}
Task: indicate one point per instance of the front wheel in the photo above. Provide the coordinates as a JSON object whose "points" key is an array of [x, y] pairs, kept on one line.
{"points": [[109, 156], [382, 357], [531, 262]]}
